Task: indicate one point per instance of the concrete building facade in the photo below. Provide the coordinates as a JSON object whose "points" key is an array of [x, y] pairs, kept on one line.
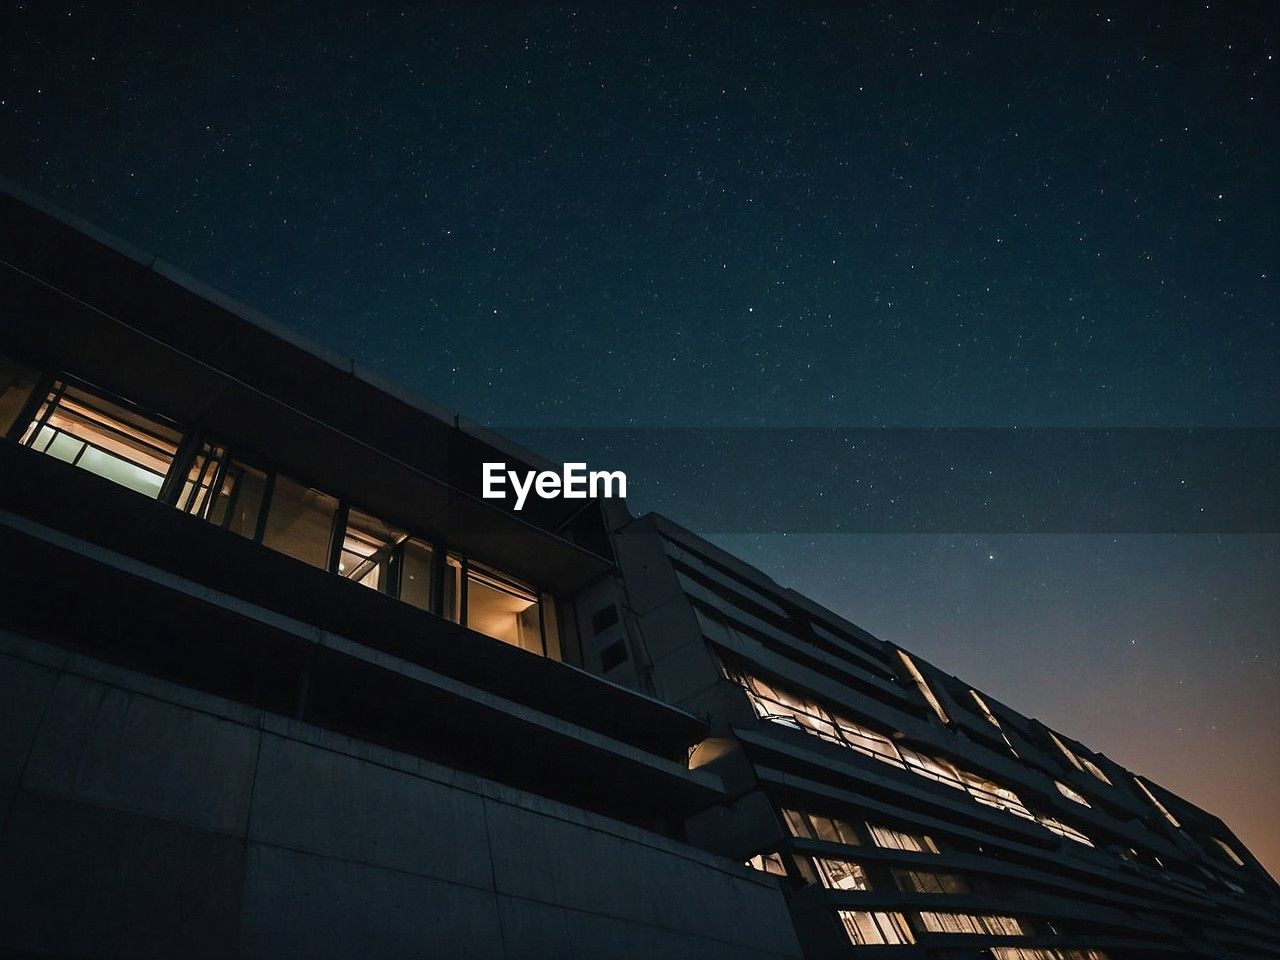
{"points": [[276, 681]]}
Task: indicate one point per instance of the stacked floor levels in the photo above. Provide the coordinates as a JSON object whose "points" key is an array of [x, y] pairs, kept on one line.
{"points": [[906, 812], [275, 681]]}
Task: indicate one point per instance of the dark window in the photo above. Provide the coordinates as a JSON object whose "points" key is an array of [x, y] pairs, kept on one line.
{"points": [[17, 383], [415, 574], [603, 619], [613, 655]]}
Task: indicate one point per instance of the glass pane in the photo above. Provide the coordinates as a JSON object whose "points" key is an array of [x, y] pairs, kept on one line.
{"points": [[415, 575], [16, 384], [239, 500], [367, 548], [195, 497], [551, 623], [502, 608], [300, 522], [105, 438], [797, 823], [841, 874], [452, 588]]}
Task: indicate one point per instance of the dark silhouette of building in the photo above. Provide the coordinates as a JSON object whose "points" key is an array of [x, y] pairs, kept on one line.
{"points": [[275, 681]]}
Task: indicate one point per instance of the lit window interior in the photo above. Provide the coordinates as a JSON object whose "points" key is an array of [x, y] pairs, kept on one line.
{"points": [[770, 863], [136, 450], [224, 491], [503, 608], [300, 522], [923, 686], [1164, 811], [368, 549], [1071, 794], [781, 706], [815, 827], [986, 924], [1063, 830], [841, 874], [104, 438], [869, 928], [992, 719], [1083, 764], [1045, 953], [1229, 851]]}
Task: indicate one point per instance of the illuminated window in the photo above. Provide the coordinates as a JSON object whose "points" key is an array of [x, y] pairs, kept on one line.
{"points": [[300, 522], [1231, 854], [781, 706], [926, 881], [841, 874], [897, 840], [1070, 794], [108, 439], [1081, 763], [1095, 770], [196, 496], [499, 606], [992, 719], [139, 450], [865, 928], [980, 923], [368, 551], [224, 491], [923, 686], [770, 863], [816, 827], [1045, 953], [503, 608], [1063, 830], [1164, 811]]}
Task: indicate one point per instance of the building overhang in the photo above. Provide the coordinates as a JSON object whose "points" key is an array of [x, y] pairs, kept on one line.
{"points": [[80, 301], [124, 578]]}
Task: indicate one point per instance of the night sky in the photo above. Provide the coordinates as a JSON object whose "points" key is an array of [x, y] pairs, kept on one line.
{"points": [[765, 215]]}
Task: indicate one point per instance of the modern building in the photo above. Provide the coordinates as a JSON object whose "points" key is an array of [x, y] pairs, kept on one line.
{"points": [[275, 681]]}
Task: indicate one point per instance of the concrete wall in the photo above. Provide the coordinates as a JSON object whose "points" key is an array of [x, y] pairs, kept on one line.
{"points": [[143, 819]]}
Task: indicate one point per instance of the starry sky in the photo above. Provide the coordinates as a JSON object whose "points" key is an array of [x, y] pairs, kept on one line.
{"points": [[768, 215]]}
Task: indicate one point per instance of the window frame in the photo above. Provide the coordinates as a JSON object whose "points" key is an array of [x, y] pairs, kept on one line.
{"points": [[193, 440]]}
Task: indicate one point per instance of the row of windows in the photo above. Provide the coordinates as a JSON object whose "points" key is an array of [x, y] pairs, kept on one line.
{"points": [[988, 924], [1045, 953], [870, 928], [836, 874], [1085, 765], [153, 457], [1081, 763], [816, 827], [781, 706]]}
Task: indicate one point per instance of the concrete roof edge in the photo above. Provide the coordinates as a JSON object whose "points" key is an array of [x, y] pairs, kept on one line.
{"points": [[230, 304]]}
